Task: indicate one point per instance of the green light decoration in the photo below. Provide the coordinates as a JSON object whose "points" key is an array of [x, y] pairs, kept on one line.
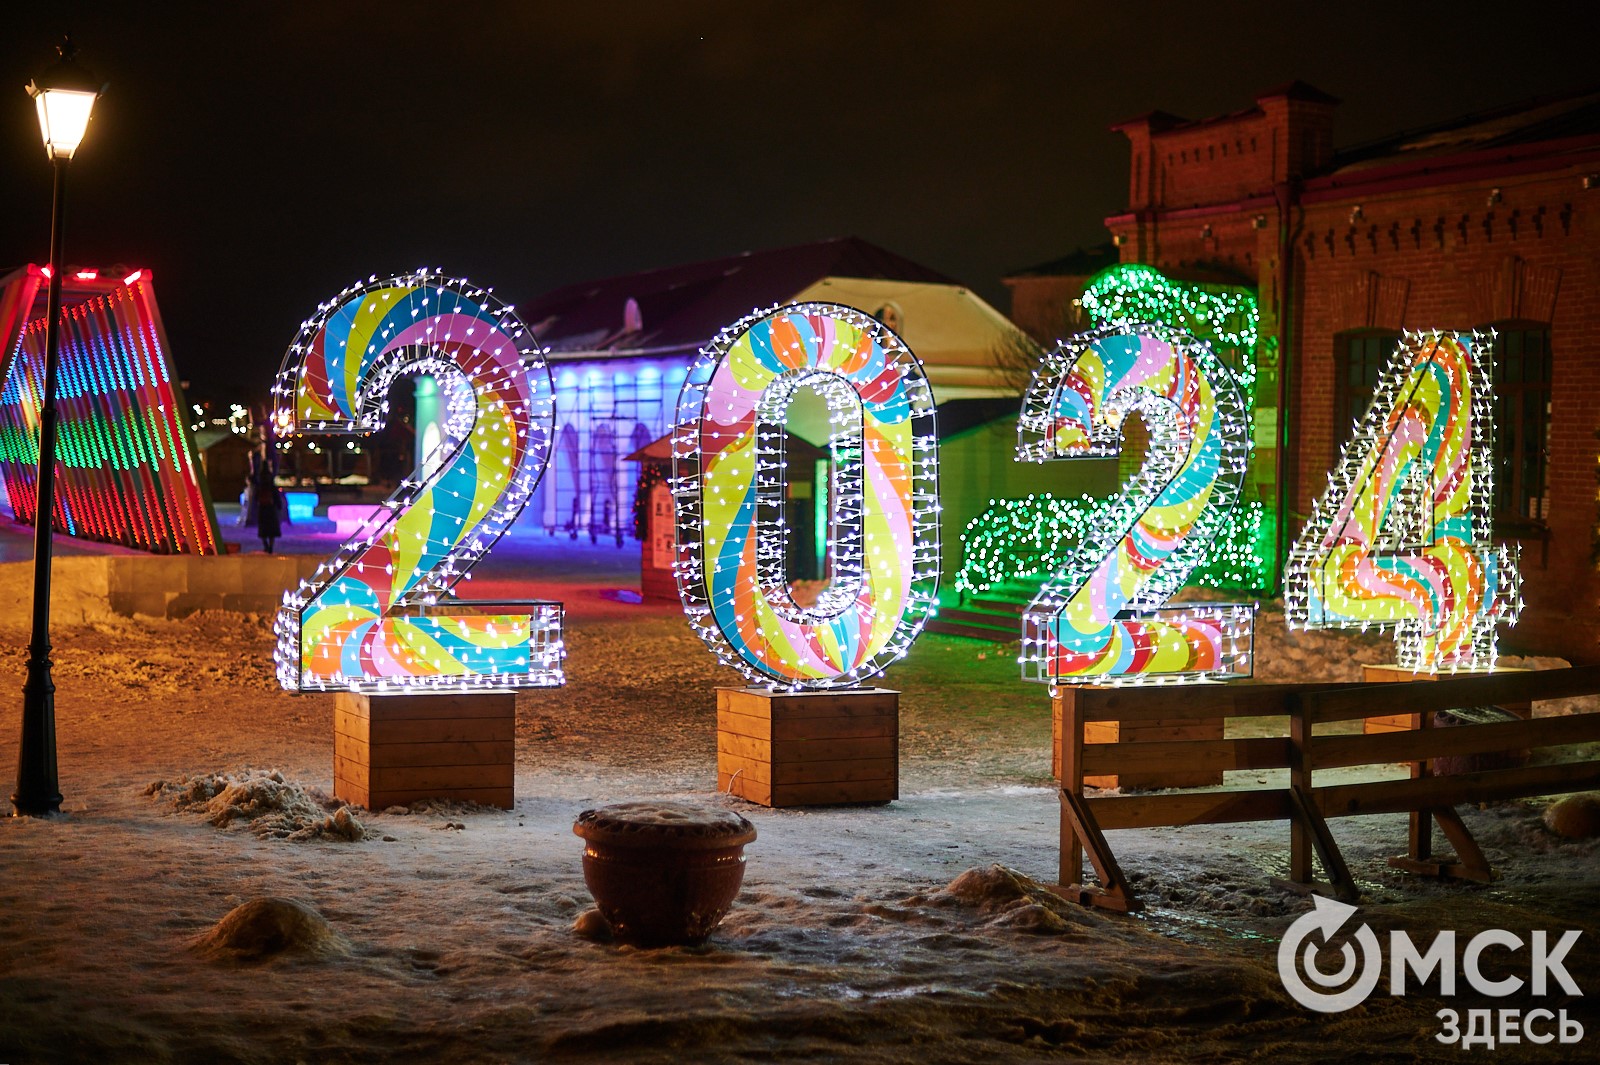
{"points": [[1018, 540], [1015, 540], [1225, 315]]}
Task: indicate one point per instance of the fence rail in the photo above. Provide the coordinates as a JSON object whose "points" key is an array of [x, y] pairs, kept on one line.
{"points": [[1159, 713]]}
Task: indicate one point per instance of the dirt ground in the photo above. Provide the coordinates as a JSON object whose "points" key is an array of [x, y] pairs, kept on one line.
{"points": [[450, 929]]}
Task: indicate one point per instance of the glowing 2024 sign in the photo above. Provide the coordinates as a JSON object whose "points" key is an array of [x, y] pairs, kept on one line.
{"points": [[378, 616], [729, 490], [1103, 617], [1401, 537]]}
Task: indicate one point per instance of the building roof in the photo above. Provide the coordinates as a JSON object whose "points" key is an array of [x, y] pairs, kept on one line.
{"points": [[679, 308], [1550, 118], [1081, 262]]}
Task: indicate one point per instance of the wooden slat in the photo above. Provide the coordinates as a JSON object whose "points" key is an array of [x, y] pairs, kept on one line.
{"points": [[390, 755], [809, 772], [419, 778], [414, 706], [862, 702], [502, 797], [812, 728], [1259, 752], [1393, 796], [835, 728], [1193, 808], [1455, 740], [807, 750], [832, 792], [426, 730], [1450, 691], [1138, 704], [1200, 728], [758, 728]]}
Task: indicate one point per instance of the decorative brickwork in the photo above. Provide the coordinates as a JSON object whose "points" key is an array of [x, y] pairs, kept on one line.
{"points": [[1476, 223]]}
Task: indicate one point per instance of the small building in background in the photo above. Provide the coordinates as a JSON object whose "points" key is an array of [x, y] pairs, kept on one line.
{"points": [[620, 348]]}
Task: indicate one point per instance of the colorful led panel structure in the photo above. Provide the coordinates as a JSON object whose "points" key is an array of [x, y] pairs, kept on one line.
{"points": [[126, 467], [729, 489], [1401, 537], [1103, 616], [379, 616]]}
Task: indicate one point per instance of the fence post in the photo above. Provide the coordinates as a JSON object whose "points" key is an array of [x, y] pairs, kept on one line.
{"points": [[1300, 766], [1069, 758]]}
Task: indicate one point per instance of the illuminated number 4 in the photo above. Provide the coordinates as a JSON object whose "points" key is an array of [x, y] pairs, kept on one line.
{"points": [[1401, 537]]}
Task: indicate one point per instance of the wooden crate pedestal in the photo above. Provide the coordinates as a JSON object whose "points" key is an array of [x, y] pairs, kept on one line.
{"points": [[1401, 675], [390, 750], [808, 748]]}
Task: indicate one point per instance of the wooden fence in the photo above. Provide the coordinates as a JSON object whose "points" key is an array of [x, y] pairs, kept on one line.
{"points": [[1302, 751]]}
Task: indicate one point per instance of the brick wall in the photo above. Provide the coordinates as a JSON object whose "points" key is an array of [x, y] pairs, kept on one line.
{"points": [[1521, 245]]}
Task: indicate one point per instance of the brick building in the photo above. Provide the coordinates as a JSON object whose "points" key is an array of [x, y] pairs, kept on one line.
{"points": [[1488, 220]]}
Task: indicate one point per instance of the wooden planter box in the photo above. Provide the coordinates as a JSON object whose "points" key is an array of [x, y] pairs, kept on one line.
{"points": [[1399, 675], [390, 750], [808, 748], [1174, 773]]}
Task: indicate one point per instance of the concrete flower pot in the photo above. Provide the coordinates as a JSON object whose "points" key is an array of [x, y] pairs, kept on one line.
{"points": [[663, 873]]}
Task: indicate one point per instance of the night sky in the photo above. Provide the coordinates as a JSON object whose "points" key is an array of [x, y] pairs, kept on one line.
{"points": [[261, 156]]}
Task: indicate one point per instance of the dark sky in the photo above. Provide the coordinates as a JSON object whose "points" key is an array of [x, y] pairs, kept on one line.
{"points": [[261, 156]]}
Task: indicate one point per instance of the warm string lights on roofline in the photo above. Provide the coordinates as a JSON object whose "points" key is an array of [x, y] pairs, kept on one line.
{"points": [[379, 615], [729, 478], [1401, 536], [1102, 616]]}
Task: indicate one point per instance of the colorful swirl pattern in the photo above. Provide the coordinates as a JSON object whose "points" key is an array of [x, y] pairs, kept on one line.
{"points": [[884, 542], [1101, 617], [1401, 537], [378, 616]]}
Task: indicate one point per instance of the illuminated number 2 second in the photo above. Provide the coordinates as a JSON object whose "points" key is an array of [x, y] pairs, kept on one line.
{"points": [[1103, 615]]}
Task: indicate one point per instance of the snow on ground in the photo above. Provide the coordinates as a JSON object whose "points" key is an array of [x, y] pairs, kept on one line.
{"points": [[913, 931]]}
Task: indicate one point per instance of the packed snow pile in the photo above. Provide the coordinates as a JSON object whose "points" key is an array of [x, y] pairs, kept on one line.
{"points": [[1005, 898], [267, 927], [1575, 817], [272, 806]]}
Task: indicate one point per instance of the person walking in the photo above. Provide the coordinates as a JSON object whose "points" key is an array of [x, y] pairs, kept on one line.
{"points": [[268, 499]]}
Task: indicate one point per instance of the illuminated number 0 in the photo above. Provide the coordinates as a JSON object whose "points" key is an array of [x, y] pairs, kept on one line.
{"points": [[1400, 538], [1102, 616], [730, 485], [378, 616]]}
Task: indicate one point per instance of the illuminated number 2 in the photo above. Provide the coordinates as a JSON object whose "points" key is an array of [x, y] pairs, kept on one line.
{"points": [[1401, 536], [378, 616], [1102, 616], [730, 496]]}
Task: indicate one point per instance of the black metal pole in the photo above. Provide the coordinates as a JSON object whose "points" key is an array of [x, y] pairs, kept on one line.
{"points": [[38, 791]]}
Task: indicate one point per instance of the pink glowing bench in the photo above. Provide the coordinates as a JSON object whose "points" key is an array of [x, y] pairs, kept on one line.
{"points": [[347, 518]]}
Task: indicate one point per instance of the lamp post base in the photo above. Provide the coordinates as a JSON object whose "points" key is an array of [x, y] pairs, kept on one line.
{"points": [[38, 791]]}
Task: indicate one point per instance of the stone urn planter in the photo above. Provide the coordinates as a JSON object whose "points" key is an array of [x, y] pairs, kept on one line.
{"points": [[663, 873]]}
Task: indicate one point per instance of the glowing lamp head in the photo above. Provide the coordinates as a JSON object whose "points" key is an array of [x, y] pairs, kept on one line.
{"points": [[64, 95]]}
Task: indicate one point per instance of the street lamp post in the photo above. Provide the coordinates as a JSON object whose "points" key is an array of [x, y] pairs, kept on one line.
{"points": [[65, 95]]}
